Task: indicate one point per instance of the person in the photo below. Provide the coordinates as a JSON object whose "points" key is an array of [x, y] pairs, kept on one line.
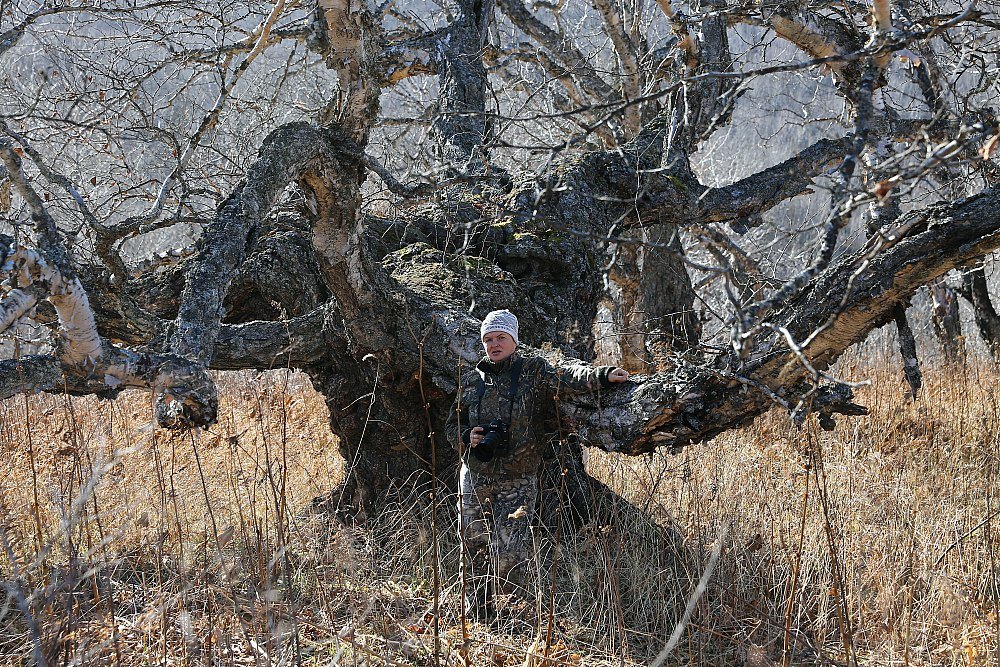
{"points": [[502, 419]]}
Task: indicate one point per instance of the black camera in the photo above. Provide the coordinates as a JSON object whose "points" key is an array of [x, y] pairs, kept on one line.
{"points": [[495, 442]]}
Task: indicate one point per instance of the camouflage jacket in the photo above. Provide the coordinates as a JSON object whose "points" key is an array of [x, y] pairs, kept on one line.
{"points": [[531, 416]]}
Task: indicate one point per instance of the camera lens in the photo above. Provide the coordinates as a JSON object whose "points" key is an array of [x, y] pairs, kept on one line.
{"points": [[493, 442], [484, 450]]}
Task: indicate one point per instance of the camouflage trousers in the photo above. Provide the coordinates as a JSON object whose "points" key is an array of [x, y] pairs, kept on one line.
{"points": [[496, 515]]}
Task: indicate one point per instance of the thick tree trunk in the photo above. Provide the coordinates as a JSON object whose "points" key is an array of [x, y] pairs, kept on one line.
{"points": [[382, 314], [648, 307], [383, 430]]}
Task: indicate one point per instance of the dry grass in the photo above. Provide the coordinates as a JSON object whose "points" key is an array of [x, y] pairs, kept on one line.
{"points": [[127, 545]]}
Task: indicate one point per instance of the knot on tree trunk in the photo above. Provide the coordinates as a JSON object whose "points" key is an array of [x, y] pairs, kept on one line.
{"points": [[187, 397]]}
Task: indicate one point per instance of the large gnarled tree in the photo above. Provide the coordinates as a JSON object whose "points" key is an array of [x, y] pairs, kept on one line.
{"points": [[563, 153]]}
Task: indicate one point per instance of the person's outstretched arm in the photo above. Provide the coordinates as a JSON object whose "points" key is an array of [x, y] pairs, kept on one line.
{"points": [[576, 377]]}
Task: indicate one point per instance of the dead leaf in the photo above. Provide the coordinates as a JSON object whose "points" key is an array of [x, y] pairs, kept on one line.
{"points": [[990, 147], [907, 56], [883, 188]]}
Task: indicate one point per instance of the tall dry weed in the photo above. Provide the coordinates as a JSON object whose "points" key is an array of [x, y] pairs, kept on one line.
{"points": [[123, 544]]}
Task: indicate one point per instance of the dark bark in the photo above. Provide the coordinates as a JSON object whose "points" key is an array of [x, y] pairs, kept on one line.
{"points": [[908, 351], [460, 126], [755, 194], [709, 103], [947, 322], [279, 279], [648, 312], [840, 307], [30, 374], [976, 291], [383, 435], [283, 157]]}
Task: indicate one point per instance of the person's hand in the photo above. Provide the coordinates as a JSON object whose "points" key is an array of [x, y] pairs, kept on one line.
{"points": [[476, 436], [618, 375]]}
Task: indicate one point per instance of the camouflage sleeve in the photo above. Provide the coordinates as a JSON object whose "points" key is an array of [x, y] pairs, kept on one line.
{"points": [[573, 377]]}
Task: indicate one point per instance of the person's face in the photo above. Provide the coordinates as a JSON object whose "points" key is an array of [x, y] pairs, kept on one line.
{"points": [[498, 345]]}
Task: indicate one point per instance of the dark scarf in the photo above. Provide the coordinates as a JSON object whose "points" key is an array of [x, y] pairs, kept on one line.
{"points": [[496, 368]]}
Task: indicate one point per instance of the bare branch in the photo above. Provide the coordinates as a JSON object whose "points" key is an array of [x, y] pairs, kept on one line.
{"points": [[685, 41], [186, 394], [692, 404], [29, 375], [626, 52], [818, 36], [77, 328], [559, 47], [297, 343], [763, 190], [284, 157], [107, 237]]}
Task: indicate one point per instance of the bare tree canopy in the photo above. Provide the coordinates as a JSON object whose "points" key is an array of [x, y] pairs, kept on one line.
{"points": [[723, 197]]}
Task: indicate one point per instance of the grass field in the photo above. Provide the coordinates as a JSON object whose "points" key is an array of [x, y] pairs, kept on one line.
{"points": [[127, 545]]}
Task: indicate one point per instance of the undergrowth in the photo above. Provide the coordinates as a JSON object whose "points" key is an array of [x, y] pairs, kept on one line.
{"points": [[877, 543]]}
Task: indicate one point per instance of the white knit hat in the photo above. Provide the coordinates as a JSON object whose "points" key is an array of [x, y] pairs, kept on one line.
{"points": [[499, 320]]}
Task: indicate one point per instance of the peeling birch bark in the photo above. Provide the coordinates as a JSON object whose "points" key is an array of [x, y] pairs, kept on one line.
{"points": [[352, 47], [626, 52], [17, 304], [882, 12], [819, 37], [187, 396], [80, 342], [686, 41]]}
